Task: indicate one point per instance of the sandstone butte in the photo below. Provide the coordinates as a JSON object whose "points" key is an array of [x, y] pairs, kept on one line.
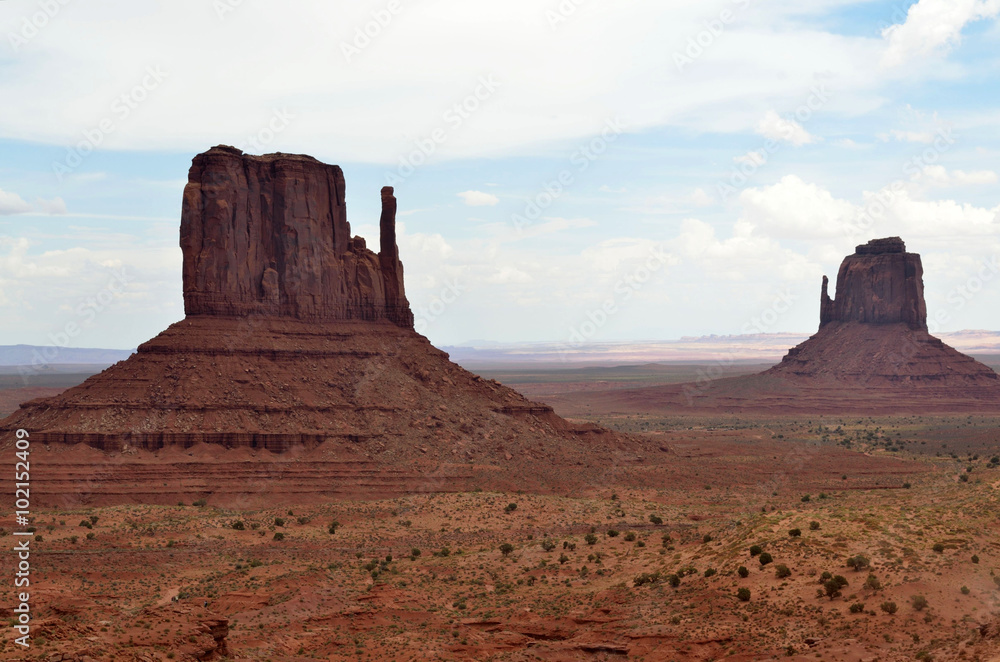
{"points": [[872, 354], [296, 370]]}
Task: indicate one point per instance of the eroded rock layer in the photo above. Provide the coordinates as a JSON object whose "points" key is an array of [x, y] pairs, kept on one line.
{"points": [[298, 339], [269, 235]]}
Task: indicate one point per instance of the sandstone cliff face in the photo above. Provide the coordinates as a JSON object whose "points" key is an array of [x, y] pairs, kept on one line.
{"points": [[880, 284], [269, 235]]}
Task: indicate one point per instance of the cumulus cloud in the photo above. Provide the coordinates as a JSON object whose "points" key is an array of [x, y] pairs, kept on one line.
{"points": [[933, 26], [774, 127], [12, 203], [479, 199]]}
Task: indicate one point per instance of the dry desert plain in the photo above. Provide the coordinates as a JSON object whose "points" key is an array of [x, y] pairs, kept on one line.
{"points": [[795, 538]]}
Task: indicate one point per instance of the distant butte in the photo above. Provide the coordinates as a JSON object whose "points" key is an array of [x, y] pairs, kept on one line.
{"points": [[872, 354], [298, 341]]}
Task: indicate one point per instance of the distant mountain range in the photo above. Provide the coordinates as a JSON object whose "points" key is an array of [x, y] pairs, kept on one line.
{"points": [[38, 356], [757, 348]]}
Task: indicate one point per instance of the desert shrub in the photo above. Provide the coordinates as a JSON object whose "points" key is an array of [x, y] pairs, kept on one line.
{"points": [[674, 580], [858, 563], [873, 583], [965, 590], [709, 572], [781, 571], [506, 549], [656, 519], [278, 521], [90, 535], [200, 503], [563, 558], [647, 578], [906, 486], [889, 607], [918, 602], [857, 607], [86, 524], [590, 539], [511, 507], [613, 533], [814, 525], [938, 547], [706, 539], [755, 550], [743, 572], [93, 519], [743, 595], [303, 520], [765, 558], [667, 540], [548, 545], [833, 585], [795, 533], [806, 499], [975, 558], [630, 536], [279, 536], [238, 525], [333, 527]]}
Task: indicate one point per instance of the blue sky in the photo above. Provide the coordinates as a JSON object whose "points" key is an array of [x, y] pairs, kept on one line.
{"points": [[649, 110]]}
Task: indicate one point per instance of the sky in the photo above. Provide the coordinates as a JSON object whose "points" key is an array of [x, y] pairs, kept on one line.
{"points": [[566, 170]]}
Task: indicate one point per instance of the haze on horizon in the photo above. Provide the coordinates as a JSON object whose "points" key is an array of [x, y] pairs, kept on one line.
{"points": [[693, 165]]}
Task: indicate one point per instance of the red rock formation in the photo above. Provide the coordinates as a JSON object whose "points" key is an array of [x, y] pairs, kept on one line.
{"points": [[298, 338], [880, 284], [269, 235]]}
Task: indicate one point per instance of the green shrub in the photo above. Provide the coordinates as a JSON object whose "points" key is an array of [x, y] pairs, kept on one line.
{"points": [[707, 538], [743, 595], [613, 533], [814, 525], [755, 550], [859, 562], [918, 602], [511, 507], [630, 536], [781, 571], [975, 558], [278, 535], [889, 607], [590, 539], [333, 527], [238, 525], [873, 583], [506, 549], [710, 572], [200, 503], [548, 545], [743, 572], [795, 533], [765, 558], [656, 519], [938, 547], [965, 590], [857, 607], [674, 580]]}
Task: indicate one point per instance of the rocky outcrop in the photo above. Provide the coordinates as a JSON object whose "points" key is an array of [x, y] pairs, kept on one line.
{"points": [[268, 235], [875, 332], [297, 339], [880, 284]]}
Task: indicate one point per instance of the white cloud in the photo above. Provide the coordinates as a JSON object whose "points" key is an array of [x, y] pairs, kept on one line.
{"points": [[923, 137], [371, 109], [933, 26], [479, 199], [701, 199], [936, 175], [12, 203], [795, 209], [774, 127]]}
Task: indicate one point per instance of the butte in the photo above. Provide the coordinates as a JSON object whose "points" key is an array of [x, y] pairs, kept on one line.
{"points": [[295, 373], [872, 354]]}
